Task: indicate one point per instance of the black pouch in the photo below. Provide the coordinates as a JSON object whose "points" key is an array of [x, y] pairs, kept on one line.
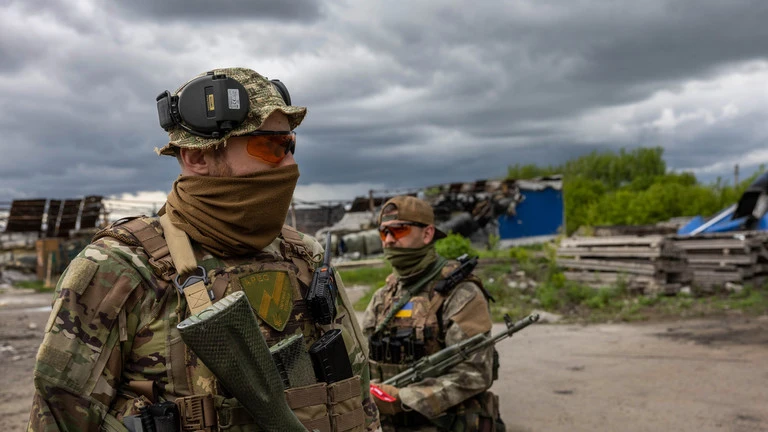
{"points": [[166, 416], [375, 349], [394, 350]]}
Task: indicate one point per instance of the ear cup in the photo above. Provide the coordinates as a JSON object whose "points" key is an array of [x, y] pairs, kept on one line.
{"points": [[283, 90]]}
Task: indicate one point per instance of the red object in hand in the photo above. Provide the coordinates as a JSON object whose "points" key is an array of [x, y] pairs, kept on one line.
{"points": [[381, 394]]}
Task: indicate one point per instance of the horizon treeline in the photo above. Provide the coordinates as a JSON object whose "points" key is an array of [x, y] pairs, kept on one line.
{"points": [[632, 188]]}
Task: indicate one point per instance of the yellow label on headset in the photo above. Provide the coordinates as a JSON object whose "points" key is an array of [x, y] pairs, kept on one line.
{"points": [[211, 105]]}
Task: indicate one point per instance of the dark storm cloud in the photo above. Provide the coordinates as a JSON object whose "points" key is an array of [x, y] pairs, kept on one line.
{"points": [[399, 93], [203, 10]]}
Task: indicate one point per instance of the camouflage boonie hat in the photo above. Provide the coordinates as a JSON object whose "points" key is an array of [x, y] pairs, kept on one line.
{"points": [[264, 99]]}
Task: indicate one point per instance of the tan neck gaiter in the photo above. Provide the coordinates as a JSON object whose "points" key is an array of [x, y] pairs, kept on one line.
{"points": [[233, 216]]}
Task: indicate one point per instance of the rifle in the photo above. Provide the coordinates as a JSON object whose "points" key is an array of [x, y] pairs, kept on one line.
{"points": [[442, 361], [226, 337]]}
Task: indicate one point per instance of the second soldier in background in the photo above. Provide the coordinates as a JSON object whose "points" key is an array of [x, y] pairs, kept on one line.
{"points": [[409, 318]]}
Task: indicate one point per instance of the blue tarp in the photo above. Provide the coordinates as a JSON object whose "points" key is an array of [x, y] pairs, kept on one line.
{"points": [[541, 213]]}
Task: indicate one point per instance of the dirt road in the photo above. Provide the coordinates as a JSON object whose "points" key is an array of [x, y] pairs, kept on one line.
{"points": [[703, 375]]}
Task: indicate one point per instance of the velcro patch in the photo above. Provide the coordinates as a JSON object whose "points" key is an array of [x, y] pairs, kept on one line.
{"points": [[53, 357], [474, 318], [79, 274], [271, 296]]}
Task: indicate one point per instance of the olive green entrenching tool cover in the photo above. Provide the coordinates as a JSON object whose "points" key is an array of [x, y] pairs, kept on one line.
{"points": [[226, 337]]}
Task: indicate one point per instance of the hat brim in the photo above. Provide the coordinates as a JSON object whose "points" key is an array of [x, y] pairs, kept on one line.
{"points": [[182, 139]]}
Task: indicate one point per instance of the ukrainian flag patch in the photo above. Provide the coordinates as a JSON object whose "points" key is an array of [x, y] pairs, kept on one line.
{"points": [[406, 311]]}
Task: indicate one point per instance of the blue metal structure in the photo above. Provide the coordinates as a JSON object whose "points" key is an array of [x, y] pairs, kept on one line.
{"points": [[540, 214], [750, 213]]}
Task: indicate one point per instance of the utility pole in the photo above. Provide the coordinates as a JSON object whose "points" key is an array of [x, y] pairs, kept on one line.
{"points": [[736, 175]]}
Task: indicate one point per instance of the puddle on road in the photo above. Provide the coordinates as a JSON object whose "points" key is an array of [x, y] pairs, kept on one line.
{"points": [[720, 334]]}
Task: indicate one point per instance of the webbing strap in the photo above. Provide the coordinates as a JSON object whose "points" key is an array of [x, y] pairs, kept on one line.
{"points": [[151, 240], [301, 397], [179, 246], [197, 297], [185, 263], [348, 420], [153, 243], [343, 390], [291, 235], [321, 424]]}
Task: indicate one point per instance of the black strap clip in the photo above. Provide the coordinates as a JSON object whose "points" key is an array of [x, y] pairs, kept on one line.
{"points": [[193, 279]]}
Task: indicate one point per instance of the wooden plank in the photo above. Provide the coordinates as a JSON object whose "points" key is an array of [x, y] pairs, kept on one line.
{"points": [[722, 259], [716, 244], [635, 267], [654, 240], [605, 265], [625, 252]]}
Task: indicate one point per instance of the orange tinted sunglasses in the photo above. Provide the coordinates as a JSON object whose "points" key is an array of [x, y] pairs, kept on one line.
{"points": [[271, 146], [398, 230]]}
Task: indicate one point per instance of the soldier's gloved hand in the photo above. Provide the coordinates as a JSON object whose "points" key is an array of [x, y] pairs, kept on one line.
{"points": [[389, 408]]}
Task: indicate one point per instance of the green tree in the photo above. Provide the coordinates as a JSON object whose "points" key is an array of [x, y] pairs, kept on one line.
{"points": [[632, 188]]}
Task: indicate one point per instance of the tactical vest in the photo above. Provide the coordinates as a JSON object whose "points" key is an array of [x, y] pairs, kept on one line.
{"points": [[276, 285], [414, 332]]}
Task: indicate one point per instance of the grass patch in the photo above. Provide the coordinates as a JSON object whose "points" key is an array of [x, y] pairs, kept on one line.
{"points": [[372, 277], [363, 301], [527, 282], [36, 285], [543, 286]]}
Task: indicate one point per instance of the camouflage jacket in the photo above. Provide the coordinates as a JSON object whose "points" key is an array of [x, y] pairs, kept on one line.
{"points": [[113, 324], [463, 314]]}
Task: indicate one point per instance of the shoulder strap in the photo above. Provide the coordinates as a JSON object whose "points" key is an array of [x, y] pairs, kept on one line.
{"points": [[297, 251], [291, 235], [164, 243], [147, 233], [179, 247]]}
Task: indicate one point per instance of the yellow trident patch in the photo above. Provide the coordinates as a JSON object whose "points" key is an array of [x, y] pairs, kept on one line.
{"points": [[271, 296]]}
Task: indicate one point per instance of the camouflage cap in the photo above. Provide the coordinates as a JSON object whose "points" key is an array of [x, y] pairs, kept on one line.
{"points": [[411, 209], [264, 99]]}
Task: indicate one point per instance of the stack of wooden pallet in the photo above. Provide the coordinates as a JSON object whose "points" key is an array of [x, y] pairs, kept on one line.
{"points": [[719, 258], [647, 264]]}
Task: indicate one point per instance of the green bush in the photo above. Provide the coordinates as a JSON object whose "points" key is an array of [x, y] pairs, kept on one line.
{"points": [[632, 188], [520, 255], [454, 246]]}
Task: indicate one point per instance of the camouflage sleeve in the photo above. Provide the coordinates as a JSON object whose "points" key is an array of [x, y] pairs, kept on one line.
{"points": [[357, 348], [465, 314], [371, 314], [79, 362]]}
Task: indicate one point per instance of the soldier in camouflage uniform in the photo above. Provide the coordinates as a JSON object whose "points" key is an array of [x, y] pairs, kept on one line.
{"points": [[408, 319], [111, 346]]}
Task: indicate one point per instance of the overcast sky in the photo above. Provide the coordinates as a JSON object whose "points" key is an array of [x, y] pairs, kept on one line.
{"points": [[400, 93]]}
